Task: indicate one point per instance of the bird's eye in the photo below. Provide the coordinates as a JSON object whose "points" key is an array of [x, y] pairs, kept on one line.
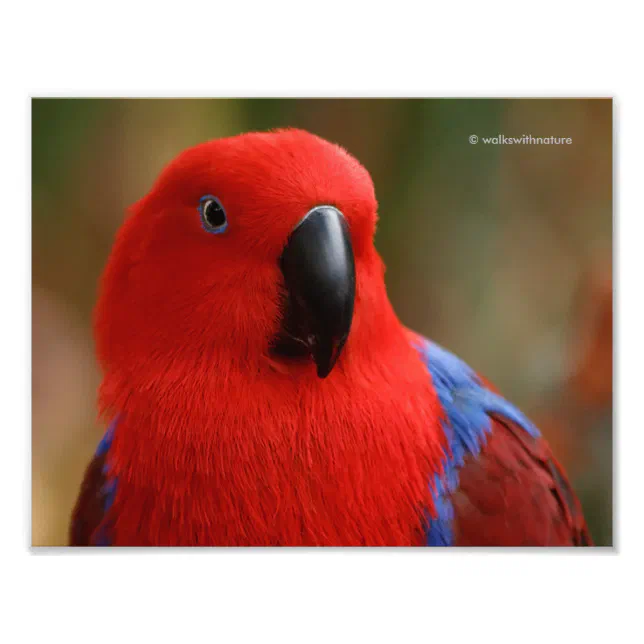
{"points": [[213, 215]]}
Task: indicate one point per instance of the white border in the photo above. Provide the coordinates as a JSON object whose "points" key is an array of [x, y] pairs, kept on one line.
{"points": [[329, 49]]}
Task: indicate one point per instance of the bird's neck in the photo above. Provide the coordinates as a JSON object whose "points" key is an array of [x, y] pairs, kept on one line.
{"points": [[228, 459]]}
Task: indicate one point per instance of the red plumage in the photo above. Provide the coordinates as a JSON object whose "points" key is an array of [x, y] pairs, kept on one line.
{"points": [[218, 441], [515, 494]]}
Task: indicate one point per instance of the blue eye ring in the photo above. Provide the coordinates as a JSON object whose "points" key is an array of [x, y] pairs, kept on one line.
{"points": [[213, 215]]}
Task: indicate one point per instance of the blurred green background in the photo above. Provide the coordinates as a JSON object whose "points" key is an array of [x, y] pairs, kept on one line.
{"points": [[501, 253]]}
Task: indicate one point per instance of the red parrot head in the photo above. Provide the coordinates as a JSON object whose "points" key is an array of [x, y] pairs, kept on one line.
{"points": [[248, 248]]}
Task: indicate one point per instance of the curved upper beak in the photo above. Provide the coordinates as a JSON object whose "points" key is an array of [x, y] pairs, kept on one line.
{"points": [[320, 277]]}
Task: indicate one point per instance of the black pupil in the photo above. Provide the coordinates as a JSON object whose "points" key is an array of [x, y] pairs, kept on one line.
{"points": [[214, 214]]}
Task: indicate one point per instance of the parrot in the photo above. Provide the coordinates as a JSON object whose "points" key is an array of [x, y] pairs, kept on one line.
{"points": [[259, 389]]}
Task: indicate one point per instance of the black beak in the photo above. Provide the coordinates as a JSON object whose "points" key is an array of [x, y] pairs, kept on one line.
{"points": [[320, 277]]}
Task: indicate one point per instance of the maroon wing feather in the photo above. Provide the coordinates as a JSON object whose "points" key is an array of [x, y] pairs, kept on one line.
{"points": [[89, 509], [517, 490]]}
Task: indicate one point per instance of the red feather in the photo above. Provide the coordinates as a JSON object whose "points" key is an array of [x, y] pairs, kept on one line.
{"points": [[88, 511], [515, 494], [217, 443]]}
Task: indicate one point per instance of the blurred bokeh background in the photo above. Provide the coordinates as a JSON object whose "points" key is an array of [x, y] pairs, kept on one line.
{"points": [[502, 253]]}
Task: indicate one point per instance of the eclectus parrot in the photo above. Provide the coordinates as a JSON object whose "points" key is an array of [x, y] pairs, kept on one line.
{"points": [[262, 391]]}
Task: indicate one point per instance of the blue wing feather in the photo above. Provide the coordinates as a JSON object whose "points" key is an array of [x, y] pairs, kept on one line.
{"points": [[89, 526], [108, 489], [467, 405]]}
